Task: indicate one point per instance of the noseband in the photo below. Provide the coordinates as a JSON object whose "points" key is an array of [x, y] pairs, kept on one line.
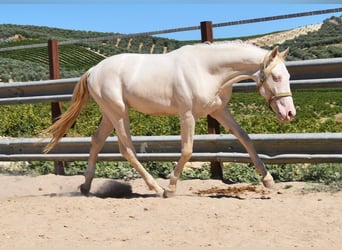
{"points": [[263, 82]]}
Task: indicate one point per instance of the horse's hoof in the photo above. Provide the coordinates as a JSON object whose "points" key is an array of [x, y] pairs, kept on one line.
{"points": [[268, 181], [84, 190], [169, 192]]}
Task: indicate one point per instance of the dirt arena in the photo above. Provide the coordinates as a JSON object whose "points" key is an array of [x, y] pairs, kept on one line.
{"points": [[47, 212]]}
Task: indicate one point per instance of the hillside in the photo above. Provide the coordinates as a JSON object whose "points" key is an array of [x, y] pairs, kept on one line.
{"points": [[326, 42], [282, 36], [30, 64], [309, 42]]}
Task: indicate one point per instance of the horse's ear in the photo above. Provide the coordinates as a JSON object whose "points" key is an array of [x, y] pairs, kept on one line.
{"points": [[274, 52], [270, 56], [285, 52]]}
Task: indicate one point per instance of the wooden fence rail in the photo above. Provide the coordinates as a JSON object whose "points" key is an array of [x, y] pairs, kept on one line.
{"points": [[272, 148], [61, 90], [318, 73]]}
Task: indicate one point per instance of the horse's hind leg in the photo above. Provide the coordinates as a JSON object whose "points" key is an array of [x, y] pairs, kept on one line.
{"points": [[126, 148], [97, 142], [228, 121]]}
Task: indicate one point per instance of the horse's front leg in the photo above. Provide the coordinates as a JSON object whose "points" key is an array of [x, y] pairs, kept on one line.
{"points": [[97, 142], [227, 120], [187, 122]]}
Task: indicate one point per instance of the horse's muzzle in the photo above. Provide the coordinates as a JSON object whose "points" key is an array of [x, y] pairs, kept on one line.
{"points": [[284, 108]]}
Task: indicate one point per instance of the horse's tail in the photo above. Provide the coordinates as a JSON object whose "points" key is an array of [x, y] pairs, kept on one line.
{"points": [[79, 97]]}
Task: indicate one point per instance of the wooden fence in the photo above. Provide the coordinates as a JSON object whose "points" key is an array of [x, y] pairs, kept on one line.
{"points": [[272, 148]]}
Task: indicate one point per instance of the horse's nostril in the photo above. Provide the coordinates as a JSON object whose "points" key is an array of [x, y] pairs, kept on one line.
{"points": [[290, 114]]}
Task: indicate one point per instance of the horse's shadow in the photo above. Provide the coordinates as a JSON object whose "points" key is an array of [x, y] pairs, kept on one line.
{"points": [[122, 190], [116, 189], [103, 190]]}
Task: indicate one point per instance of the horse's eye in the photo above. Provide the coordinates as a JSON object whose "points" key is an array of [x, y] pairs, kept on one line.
{"points": [[276, 78]]}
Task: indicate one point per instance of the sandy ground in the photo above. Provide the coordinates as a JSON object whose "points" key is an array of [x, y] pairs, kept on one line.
{"points": [[47, 212]]}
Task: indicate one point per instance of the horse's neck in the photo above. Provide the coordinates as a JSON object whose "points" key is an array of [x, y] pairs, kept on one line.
{"points": [[229, 65], [235, 60]]}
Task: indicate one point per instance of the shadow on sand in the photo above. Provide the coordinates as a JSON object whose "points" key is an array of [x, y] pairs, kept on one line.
{"points": [[116, 189], [105, 189]]}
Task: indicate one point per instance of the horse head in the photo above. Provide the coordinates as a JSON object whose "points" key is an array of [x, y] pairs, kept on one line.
{"points": [[273, 84]]}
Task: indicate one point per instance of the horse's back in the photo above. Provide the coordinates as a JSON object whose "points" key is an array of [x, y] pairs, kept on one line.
{"points": [[144, 82]]}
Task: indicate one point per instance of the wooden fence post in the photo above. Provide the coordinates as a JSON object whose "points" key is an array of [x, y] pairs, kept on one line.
{"points": [[56, 107], [213, 125]]}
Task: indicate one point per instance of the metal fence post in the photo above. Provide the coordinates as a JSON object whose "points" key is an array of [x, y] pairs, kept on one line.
{"points": [[56, 107], [213, 125]]}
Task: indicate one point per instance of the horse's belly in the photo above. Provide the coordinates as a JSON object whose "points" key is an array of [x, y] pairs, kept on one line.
{"points": [[153, 107]]}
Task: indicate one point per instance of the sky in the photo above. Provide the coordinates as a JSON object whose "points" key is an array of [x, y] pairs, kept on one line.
{"points": [[135, 16]]}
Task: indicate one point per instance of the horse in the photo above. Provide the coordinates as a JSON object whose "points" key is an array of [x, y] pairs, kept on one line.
{"points": [[191, 81]]}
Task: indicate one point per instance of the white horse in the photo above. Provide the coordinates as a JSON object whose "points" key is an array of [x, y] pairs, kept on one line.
{"points": [[192, 81]]}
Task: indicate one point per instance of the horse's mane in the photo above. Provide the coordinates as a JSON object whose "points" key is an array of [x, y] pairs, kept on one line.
{"points": [[228, 43]]}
